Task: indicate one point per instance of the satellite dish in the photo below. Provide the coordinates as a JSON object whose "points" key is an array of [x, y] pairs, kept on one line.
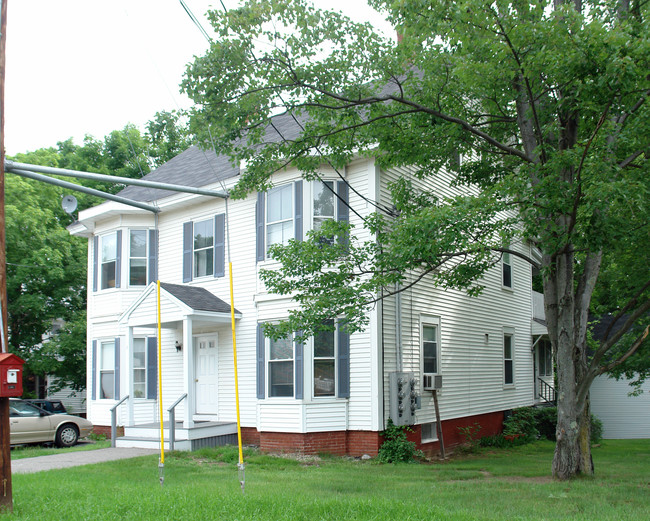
{"points": [[69, 204]]}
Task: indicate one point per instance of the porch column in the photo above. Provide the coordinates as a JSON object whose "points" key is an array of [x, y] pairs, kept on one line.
{"points": [[188, 374]]}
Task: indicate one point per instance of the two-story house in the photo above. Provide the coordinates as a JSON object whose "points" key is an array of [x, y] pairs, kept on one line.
{"points": [[333, 393]]}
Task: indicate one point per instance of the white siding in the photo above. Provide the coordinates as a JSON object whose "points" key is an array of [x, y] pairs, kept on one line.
{"points": [[472, 331], [623, 416]]}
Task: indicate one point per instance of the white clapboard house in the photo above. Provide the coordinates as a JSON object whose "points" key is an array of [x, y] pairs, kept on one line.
{"points": [[335, 393]]}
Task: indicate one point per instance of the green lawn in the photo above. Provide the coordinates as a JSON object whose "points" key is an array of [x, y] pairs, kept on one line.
{"points": [[498, 485], [32, 451]]}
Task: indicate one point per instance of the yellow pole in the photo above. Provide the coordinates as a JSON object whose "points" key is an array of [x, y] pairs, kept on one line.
{"points": [[162, 435], [234, 349]]}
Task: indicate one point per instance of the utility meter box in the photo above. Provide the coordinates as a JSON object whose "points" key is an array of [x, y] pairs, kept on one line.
{"points": [[11, 376]]}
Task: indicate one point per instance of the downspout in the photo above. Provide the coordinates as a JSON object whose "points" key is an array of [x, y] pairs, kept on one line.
{"points": [[398, 327]]}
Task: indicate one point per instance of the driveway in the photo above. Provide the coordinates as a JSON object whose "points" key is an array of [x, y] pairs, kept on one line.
{"points": [[75, 459]]}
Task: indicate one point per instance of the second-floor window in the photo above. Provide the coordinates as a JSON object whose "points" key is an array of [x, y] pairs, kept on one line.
{"points": [[203, 248], [138, 257], [324, 202], [279, 215], [108, 260], [506, 266]]}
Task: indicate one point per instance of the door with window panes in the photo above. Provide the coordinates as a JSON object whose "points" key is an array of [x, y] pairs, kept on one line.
{"points": [[205, 374]]}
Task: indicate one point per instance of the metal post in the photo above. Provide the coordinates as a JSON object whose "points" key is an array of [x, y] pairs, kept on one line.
{"points": [[172, 428]]}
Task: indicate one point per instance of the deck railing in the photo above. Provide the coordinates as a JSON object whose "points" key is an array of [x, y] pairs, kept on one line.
{"points": [[172, 420], [114, 419], [546, 392]]}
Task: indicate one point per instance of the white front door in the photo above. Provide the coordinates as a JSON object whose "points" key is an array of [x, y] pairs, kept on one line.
{"points": [[206, 374]]}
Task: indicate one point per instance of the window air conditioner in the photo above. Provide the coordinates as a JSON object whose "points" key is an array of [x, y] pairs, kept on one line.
{"points": [[431, 382]]}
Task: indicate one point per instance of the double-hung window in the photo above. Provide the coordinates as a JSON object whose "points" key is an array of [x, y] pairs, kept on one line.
{"points": [[203, 248], [430, 348], [108, 265], [138, 257], [508, 359], [325, 362], [324, 203], [107, 370], [281, 367], [506, 270], [139, 368], [279, 215]]}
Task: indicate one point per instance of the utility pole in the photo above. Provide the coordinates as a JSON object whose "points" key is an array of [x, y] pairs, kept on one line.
{"points": [[6, 497]]}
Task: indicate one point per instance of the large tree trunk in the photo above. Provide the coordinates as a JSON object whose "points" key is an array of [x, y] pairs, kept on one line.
{"points": [[573, 448]]}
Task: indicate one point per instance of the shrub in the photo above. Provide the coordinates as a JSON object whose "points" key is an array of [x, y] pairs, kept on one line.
{"points": [[596, 429], [396, 447], [546, 422], [520, 426], [471, 435]]}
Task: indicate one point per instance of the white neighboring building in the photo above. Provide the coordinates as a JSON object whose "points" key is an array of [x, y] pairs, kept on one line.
{"points": [[332, 394], [623, 416]]}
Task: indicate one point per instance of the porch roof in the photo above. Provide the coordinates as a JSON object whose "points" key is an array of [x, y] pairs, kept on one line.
{"points": [[539, 327], [177, 302]]}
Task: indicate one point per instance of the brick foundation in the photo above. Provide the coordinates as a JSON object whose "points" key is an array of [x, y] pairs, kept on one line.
{"points": [[358, 443], [106, 431]]}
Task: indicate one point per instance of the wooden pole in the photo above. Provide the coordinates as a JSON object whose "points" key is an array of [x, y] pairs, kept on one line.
{"points": [[438, 424], [6, 498]]}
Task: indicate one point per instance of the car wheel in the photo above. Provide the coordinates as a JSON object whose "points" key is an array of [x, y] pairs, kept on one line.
{"points": [[67, 435]]}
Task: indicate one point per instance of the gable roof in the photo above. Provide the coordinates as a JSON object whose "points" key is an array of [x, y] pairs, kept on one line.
{"points": [[194, 167], [197, 298], [197, 167]]}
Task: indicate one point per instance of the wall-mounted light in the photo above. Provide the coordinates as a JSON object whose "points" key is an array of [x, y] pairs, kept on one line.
{"points": [[179, 346]]}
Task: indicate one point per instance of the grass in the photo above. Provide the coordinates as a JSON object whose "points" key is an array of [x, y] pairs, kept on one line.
{"points": [[511, 484], [32, 451]]}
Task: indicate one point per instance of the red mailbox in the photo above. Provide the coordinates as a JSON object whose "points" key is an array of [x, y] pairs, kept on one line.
{"points": [[11, 375]]}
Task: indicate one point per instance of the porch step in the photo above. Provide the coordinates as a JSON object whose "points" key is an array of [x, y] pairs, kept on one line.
{"points": [[203, 434], [184, 445]]}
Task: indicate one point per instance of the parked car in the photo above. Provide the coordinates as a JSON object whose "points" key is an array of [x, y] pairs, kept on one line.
{"points": [[54, 406], [31, 424]]}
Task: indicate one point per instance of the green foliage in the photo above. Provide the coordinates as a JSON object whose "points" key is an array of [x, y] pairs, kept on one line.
{"points": [[521, 425], [547, 103], [46, 266], [396, 448], [529, 423], [471, 435]]}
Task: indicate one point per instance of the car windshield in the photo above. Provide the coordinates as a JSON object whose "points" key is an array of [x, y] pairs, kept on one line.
{"points": [[24, 409]]}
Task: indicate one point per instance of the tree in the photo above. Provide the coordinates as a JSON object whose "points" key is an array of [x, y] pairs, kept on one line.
{"points": [[545, 101], [167, 136]]}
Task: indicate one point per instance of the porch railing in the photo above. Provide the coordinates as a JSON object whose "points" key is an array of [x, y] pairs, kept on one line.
{"points": [[114, 419], [172, 420], [546, 392]]}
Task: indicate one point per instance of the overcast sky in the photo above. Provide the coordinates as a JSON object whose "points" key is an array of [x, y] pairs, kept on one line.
{"points": [[77, 67]]}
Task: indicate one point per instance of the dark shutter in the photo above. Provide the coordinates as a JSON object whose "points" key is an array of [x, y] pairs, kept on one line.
{"points": [[153, 257], [342, 207], [117, 369], [298, 213], [299, 367], [259, 228], [188, 248], [152, 367], [118, 259], [219, 245], [343, 376], [95, 262], [261, 345], [93, 376]]}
